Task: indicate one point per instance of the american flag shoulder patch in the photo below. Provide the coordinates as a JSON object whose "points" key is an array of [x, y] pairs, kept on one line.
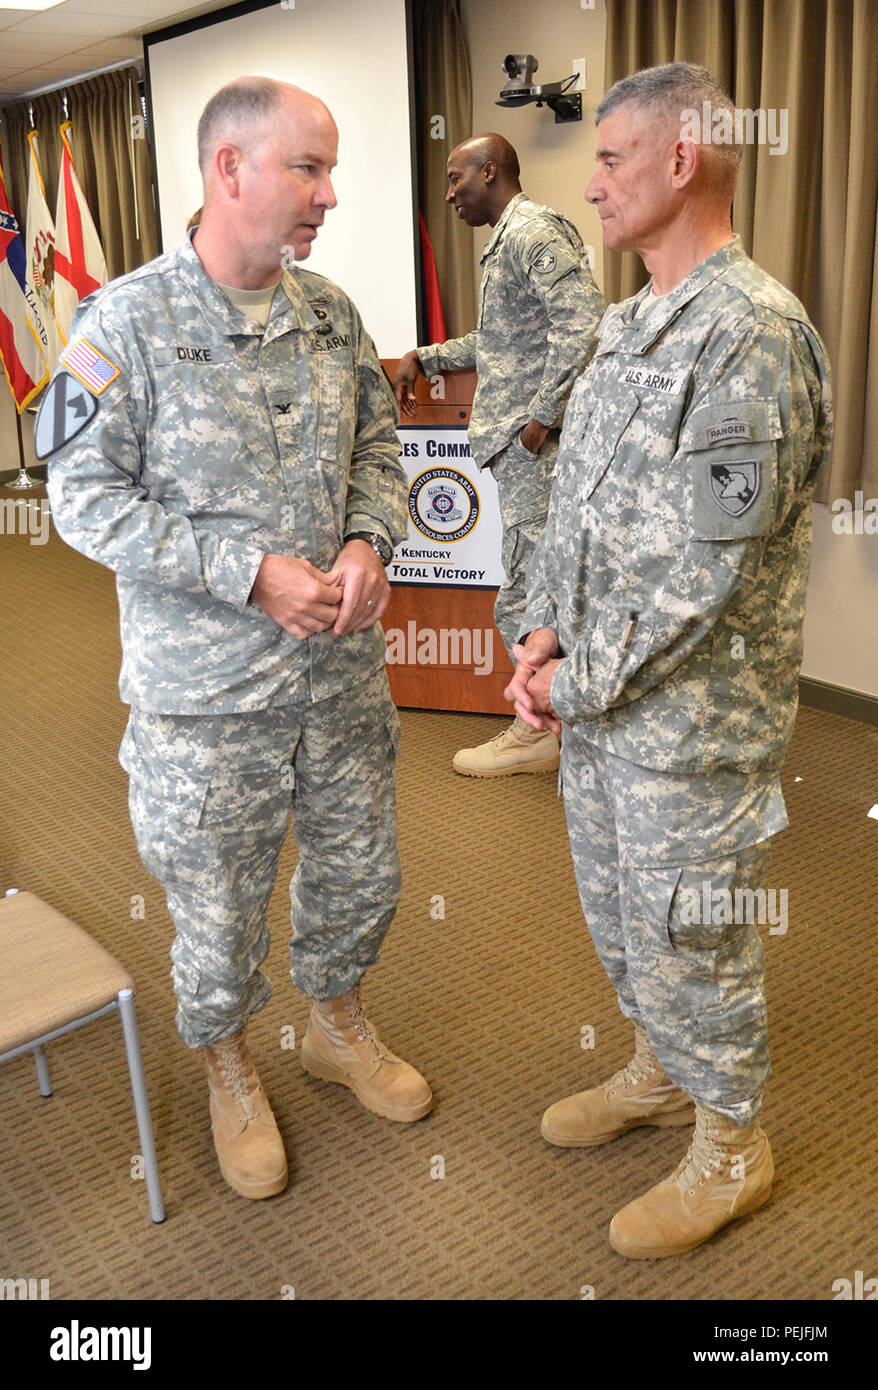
{"points": [[91, 367]]}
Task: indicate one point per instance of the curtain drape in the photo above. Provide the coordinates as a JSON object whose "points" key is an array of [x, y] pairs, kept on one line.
{"points": [[443, 89], [111, 154], [807, 215]]}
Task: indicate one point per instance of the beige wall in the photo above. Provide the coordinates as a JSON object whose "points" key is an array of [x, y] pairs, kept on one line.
{"points": [[556, 160], [841, 620]]}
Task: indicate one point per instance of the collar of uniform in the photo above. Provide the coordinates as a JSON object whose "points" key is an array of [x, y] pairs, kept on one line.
{"points": [[501, 223], [625, 330], [290, 309], [223, 317]]}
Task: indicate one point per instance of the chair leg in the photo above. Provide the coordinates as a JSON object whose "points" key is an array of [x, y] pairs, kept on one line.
{"points": [[43, 1071], [141, 1103]]}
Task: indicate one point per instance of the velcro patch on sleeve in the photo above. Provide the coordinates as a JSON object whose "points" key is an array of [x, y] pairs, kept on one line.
{"points": [[734, 498], [90, 366], [542, 258], [64, 410]]}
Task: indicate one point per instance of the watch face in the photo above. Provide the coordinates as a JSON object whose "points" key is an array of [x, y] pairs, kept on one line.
{"points": [[382, 549]]}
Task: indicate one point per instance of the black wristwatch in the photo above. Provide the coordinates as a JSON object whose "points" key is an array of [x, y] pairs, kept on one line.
{"points": [[383, 549]]}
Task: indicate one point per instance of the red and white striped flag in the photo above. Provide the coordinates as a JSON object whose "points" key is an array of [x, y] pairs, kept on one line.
{"points": [[79, 261], [20, 351]]}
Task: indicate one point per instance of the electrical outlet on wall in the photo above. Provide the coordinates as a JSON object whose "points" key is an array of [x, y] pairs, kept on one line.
{"points": [[578, 66], [588, 255]]}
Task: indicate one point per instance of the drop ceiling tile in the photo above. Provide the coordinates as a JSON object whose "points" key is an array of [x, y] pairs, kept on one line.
{"points": [[32, 57], [60, 24], [13, 39], [9, 17], [168, 10], [110, 51], [14, 87]]}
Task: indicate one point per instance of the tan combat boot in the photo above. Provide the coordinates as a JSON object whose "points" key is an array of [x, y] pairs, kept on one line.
{"points": [[248, 1144], [341, 1045], [726, 1174], [639, 1094], [519, 748]]}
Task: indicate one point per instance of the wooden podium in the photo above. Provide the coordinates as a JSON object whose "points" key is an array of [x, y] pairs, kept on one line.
{"points": [[446, 686]]}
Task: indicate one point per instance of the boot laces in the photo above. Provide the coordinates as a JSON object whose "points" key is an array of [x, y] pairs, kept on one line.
{"points": [[506, 736], [359, 1022], [704, 1158], [641, 1067], [235, 1074]]}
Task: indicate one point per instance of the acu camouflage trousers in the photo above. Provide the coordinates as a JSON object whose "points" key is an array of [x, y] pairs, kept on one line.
{"points": [[210, 799], [662, 861], [524, 486]]}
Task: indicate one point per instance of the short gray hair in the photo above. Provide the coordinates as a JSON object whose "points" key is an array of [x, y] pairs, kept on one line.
{"points": [[237, 112], [670, 90]]}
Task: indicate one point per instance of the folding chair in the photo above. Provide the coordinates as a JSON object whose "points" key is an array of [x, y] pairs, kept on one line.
{"points": [[55, 978]]}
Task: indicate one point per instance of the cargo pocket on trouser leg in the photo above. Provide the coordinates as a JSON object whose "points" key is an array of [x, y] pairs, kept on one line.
{"points": [[697, 964], [165, 803]]}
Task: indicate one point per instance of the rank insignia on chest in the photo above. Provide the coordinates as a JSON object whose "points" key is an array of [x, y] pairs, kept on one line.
{"points": [[735, 485]]}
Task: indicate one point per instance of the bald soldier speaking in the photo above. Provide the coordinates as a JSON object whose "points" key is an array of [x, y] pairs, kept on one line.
{"points": [[538, 311], [238, 468]]}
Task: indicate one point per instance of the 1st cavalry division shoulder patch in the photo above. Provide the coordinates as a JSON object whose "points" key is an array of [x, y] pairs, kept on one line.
{"points": [[64, 410]]}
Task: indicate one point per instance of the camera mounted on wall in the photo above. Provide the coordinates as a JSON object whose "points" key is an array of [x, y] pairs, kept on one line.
{"points": [[520, 89]]}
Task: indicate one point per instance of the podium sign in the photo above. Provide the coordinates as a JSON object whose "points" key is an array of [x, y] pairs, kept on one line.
{"points": [[454, 530]]}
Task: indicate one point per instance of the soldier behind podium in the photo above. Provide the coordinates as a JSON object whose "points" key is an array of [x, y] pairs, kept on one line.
{"points": [[538, 311]]}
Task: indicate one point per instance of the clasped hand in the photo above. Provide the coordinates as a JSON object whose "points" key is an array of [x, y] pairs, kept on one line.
{"points": [[530, 688], [304, 600]]}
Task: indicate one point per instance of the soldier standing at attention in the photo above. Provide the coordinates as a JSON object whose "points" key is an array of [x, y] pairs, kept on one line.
{"points": [[664, 629], [538, 311], [237, 466]]}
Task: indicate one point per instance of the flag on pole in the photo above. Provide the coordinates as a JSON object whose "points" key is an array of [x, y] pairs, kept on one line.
{"points": [[39, 242], [435, 317], [79, 261], [23, 360]]}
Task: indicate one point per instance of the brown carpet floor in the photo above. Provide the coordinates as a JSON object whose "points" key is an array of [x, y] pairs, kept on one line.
{"points": [[489, 1002]]}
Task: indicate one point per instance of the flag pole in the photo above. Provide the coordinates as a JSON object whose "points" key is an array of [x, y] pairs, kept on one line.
{"points": [[24, 479]]}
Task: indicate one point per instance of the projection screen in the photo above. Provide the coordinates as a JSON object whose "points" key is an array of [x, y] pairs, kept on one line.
{"points": [[351, 53]]}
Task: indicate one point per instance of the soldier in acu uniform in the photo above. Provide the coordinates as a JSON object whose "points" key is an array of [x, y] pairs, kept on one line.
{"points": [[225, 440], [664, 626], [538, 311]]}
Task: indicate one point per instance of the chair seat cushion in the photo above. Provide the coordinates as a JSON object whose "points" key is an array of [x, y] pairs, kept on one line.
{"points": [[51, 971]]}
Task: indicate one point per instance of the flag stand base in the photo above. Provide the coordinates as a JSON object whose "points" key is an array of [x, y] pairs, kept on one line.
{"points": [[24, 480]]}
